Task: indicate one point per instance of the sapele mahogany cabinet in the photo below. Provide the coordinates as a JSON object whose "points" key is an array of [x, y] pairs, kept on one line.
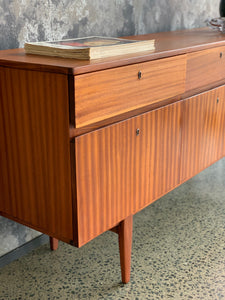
{"points": [[84, 145]]}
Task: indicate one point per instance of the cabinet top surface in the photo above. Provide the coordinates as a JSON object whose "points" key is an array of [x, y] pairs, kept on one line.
{"points": [[166, 44]]}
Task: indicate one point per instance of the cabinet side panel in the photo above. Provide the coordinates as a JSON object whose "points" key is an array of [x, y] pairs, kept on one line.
{"points": [[120, 170], [35, 155]]}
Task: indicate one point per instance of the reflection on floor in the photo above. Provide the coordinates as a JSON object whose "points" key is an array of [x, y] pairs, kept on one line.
{"points": [[178, 253]]}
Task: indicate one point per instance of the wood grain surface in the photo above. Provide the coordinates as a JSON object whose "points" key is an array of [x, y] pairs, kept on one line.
{"points": [[120, 171], [205, 67], [222, 115], [203, 131], [35, 179], [108, 93]]}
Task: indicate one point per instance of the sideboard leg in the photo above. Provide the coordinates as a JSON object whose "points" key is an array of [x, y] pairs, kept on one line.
{"points": [[125, 229], [53, 243]]}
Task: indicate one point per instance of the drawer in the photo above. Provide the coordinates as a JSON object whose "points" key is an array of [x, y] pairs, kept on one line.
{"points": [[104, 94], [205, 67]]}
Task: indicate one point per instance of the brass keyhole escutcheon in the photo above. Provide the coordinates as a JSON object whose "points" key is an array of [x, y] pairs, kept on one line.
{"points": [[139, 75]]}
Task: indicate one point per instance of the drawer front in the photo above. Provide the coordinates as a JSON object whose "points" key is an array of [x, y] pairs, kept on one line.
{"points": [[104, 94], [120, 170], [205, 67]]}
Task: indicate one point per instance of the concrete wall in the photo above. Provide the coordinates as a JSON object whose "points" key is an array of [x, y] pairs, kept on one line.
{"points": [[34, 20]]}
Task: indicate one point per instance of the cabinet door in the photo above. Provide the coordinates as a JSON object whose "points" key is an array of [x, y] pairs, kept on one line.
{"points": [[124, 167], [222, 112], [202, 132]]}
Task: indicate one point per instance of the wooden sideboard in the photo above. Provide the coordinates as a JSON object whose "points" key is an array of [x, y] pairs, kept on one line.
{"points": [[84, 145]]}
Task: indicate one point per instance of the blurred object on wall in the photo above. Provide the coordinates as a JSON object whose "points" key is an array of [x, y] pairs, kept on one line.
{"points": [[217, 24]]}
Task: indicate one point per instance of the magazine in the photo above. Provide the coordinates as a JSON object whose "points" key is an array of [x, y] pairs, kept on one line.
{"points": [[93, 47]]}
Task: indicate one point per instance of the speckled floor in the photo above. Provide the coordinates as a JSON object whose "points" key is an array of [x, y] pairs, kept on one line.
{"points": [[178, 253]]}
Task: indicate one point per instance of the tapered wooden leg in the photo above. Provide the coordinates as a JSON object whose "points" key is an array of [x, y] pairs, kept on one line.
{"points": [[125, 229], [53, 243]]}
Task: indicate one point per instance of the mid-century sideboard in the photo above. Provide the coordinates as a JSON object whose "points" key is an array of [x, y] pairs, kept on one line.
{"points": [[84, 145]]}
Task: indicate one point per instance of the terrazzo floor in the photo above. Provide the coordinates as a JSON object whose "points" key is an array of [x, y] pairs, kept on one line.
{"points": [[178, 253]]}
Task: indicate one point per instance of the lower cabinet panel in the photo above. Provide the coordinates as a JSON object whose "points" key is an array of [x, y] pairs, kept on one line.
{"points": [[222, 111], [124, 167], [203, 128]]}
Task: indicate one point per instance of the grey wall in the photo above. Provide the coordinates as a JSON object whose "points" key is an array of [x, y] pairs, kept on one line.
{"points": [[33, 20]]}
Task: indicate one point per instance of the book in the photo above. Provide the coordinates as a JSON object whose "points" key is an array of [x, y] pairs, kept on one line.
{"points": [[92, 47]]}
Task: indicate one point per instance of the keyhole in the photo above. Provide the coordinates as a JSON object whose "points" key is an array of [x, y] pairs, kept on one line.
{"points": [[139, 75], [217, 100], [137, 131]]}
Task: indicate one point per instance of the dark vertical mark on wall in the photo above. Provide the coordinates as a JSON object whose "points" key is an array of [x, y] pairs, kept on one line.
{"points": [[129, 25], [73, 33]]}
